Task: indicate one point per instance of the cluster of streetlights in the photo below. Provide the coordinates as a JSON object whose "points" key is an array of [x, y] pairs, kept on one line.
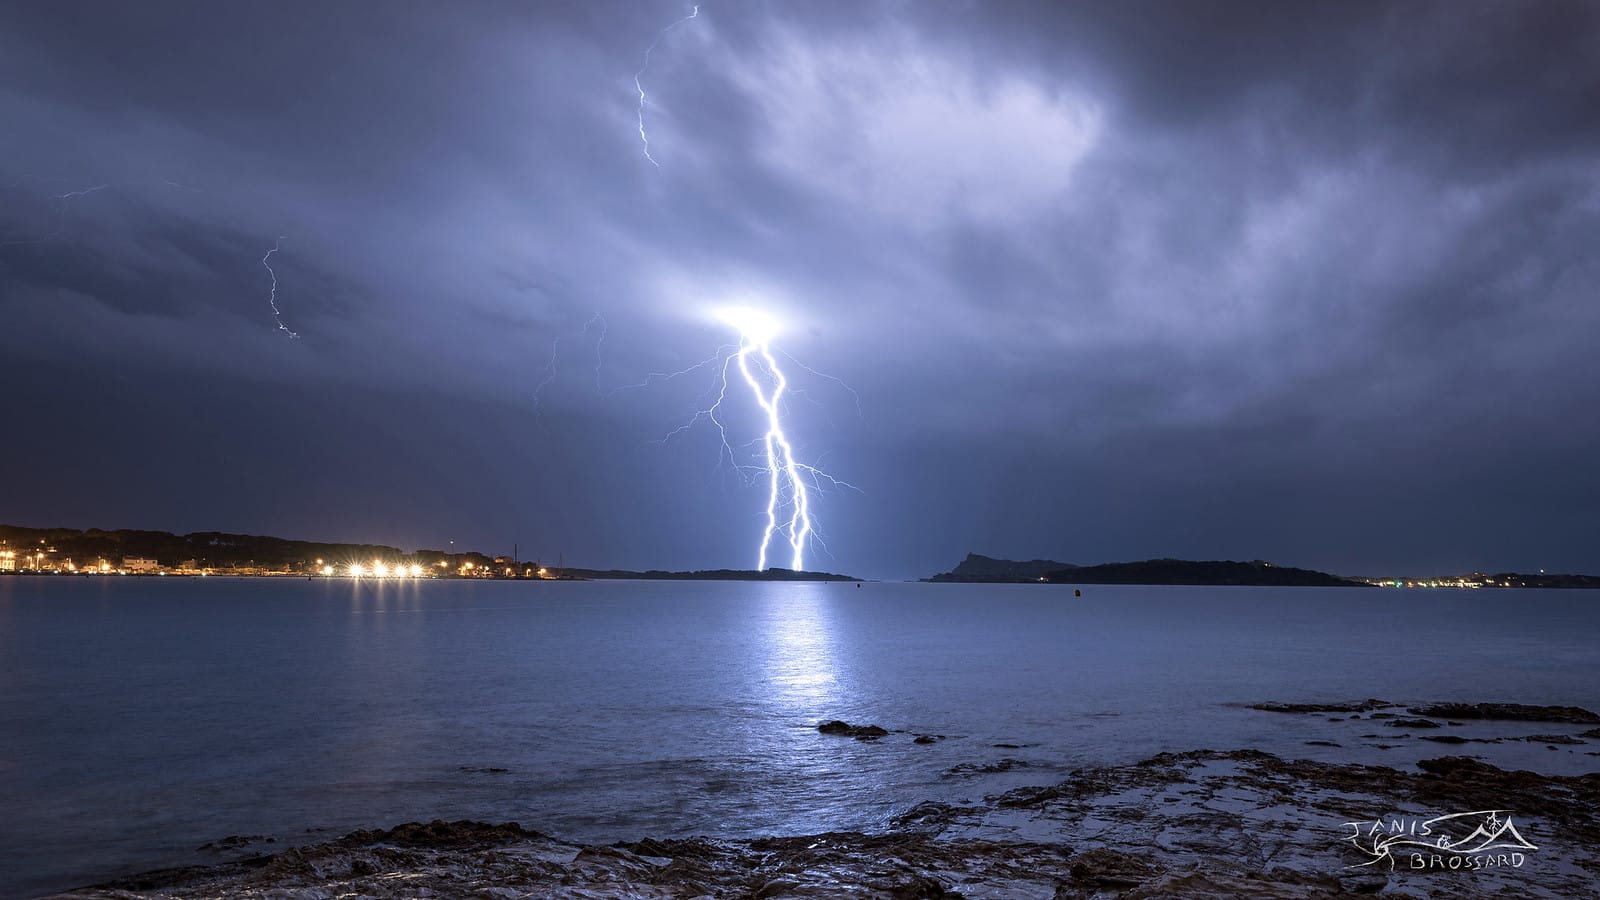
{"points": [[35, 561], [376, 569]]}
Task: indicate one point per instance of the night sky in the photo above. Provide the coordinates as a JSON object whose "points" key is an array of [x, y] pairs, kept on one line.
{"points": [[1313, 283]]}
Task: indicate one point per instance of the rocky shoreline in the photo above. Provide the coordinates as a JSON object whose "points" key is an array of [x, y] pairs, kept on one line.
{"points": [[1204, 823]]}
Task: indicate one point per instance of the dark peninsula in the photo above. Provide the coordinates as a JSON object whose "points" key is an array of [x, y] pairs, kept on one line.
{"points": [[1151, 571], [977, 568]]}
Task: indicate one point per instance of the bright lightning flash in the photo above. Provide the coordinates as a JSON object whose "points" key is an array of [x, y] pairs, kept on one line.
{"points": [[787, 490], [790, 527]]}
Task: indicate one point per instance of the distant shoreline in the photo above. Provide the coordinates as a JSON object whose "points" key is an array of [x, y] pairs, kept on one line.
{"points": [[712, 575], [978, 569]]}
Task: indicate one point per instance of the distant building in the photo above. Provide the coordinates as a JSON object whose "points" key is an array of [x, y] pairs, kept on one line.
{"points": [[8, 561], [140, 565]]}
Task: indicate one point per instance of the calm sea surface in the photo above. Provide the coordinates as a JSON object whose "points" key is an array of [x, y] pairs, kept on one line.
{"points": [[143, 717]]}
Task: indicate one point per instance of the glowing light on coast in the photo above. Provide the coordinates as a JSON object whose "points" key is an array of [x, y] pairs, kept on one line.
{"points": [[380, 569], [415, 571], [355, 570], [327, 570]]}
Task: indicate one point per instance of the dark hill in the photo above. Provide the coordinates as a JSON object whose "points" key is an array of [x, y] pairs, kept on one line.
{"points": [[977, 568], [1183, 571], [207, 548]]}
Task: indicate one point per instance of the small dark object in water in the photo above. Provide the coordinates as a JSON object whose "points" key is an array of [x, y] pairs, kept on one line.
{"points": [[1077, 592], [859, 732]]}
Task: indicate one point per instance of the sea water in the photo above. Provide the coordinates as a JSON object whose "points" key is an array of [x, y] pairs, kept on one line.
{"points": [[141, 718]]}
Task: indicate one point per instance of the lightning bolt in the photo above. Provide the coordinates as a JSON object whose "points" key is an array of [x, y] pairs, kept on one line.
{"points": [[790, 528], [786, 488], [550, 373], [790, 524], [272, 298], [639, 86], [63, 202]]}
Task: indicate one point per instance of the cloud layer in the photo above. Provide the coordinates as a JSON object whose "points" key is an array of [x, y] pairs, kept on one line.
{"points": [[1307, 282]]}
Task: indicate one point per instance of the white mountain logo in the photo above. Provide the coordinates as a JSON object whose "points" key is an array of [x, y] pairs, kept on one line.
{"points": [[1479, 839]]}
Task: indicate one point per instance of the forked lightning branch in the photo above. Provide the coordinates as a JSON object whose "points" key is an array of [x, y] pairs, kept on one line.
{"points": [[789, 526]]}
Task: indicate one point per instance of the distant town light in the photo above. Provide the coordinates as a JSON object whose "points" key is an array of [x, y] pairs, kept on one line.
{"points": [[379, 569], [326, 570], [355, 570], [416, 571]]}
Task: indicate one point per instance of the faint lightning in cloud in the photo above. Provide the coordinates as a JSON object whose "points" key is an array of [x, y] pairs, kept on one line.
{"points": [[639, 85], [272, 298], [61, 203], [550, 373]]}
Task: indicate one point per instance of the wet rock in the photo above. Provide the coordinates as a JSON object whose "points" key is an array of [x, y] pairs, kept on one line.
{"points": [[1201, 824], [1514, 712], [237, 841], [440, 833], [859, 732], [930, 817], [927, 739], [1322, 744], [1552, 739], [1105, 868], [1411, 723], [968, 769], [1357, 706]]}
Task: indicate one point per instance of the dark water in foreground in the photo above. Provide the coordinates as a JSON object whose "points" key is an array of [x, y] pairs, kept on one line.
{"points": [[140, 718]]}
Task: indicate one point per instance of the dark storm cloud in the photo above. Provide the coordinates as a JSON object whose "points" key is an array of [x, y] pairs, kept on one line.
{"points": [[1111, 279]]}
